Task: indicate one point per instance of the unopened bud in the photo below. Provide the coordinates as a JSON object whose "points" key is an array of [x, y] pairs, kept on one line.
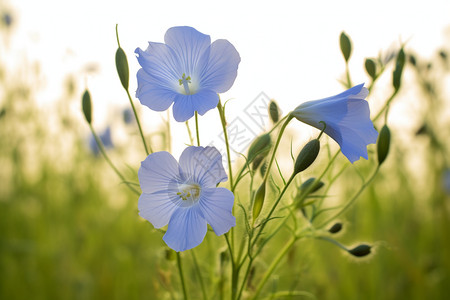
{"points": [[335, 228], [361, 250], [260, 146], [274, 112], [308, 184], [346, 46], [371, 68], [259, 200], [170, 254], [383, 143], [122, 67], [87, 106], [307, 156], [397, 75]]}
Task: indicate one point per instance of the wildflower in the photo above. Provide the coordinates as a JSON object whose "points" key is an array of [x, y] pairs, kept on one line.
{"points": [[105, 138], [187, 70], [184, 195], [347, 120]]}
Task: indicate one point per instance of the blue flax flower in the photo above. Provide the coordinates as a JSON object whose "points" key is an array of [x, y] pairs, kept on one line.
{"points": [[187, 70], [185, 195], [347, 119]]}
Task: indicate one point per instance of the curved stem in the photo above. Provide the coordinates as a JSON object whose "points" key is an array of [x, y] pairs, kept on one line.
{"points": [[199, 274], [105, 156], [273, 265], [227, 145], [139, 124], [180, 272]]}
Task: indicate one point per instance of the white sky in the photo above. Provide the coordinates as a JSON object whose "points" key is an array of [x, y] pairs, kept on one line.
{"points": [[289, 49]]}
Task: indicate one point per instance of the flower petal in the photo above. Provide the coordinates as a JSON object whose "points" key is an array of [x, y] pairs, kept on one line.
{"points": [[216, 205], [158, 172], [186, 105], [221, 70], [203, 166], [189, 45], [158, 207], [186, 230], [154, 96]]}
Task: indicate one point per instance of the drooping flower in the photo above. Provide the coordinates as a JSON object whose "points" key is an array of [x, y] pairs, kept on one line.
{"points": [[185, 195], [187, 70], [347, 119]]}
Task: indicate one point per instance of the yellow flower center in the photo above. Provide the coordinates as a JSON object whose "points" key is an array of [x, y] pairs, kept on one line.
{"points": [[189, 192]]}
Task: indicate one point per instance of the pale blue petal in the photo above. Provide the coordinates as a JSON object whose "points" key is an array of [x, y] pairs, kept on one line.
{"points": [[185, 105], [216, 205], [187, 229], [202, 165], [161, 63], [347, 117], [154, 96], [158, 172], [157, 208], [189, 46], [221, 70]]}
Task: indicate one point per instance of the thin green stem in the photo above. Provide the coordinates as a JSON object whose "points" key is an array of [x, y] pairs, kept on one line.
{"points": [[196, 128], [105, 156], [199, 274], [349, 203], [275, 148], [386, 105], [227, 145], [273, 265], [191, 139], [180, 272], [234, 270], [139, 125]]}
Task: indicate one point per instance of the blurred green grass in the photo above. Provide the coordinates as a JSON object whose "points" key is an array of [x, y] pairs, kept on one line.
{"points": [[70, 230]]}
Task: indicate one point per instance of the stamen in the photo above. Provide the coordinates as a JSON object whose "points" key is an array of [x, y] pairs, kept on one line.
{"points": [[185, 82]]}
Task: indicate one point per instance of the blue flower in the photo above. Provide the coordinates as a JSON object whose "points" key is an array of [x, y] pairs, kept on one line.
{"points": [[187, 70], [185, 195], [347, 119], [105, 138]]}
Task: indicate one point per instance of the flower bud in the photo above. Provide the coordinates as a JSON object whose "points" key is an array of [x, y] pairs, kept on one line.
{"points": [[263, 169], [274, 112], [360, 251], [260, 146], [122, 67], [259, 200], [305, 185], [335, 228], [371, 68], [87, 106], [346, 46], [397, 75], [307, 156], [384, 141]]}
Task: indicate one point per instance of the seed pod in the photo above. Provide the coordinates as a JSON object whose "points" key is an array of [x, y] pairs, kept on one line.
{"points": [[122, 67], [259, 200], [305, 185], [346, 46], [383, 144], [274, 112], [87, 106], [335, 228], [307, 156], [361, 250]]}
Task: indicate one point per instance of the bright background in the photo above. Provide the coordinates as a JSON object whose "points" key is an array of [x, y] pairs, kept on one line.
{"points": [[70, 230]]}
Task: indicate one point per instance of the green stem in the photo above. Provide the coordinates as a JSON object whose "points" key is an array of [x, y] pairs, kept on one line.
{"points": [[273, 265], [196, 128], [191, 139], [234, 270], [280, 134], [388, 102], [227, 145], [139, 124], [180, 272], [349, 203], [199, 275], [103, 152]]}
